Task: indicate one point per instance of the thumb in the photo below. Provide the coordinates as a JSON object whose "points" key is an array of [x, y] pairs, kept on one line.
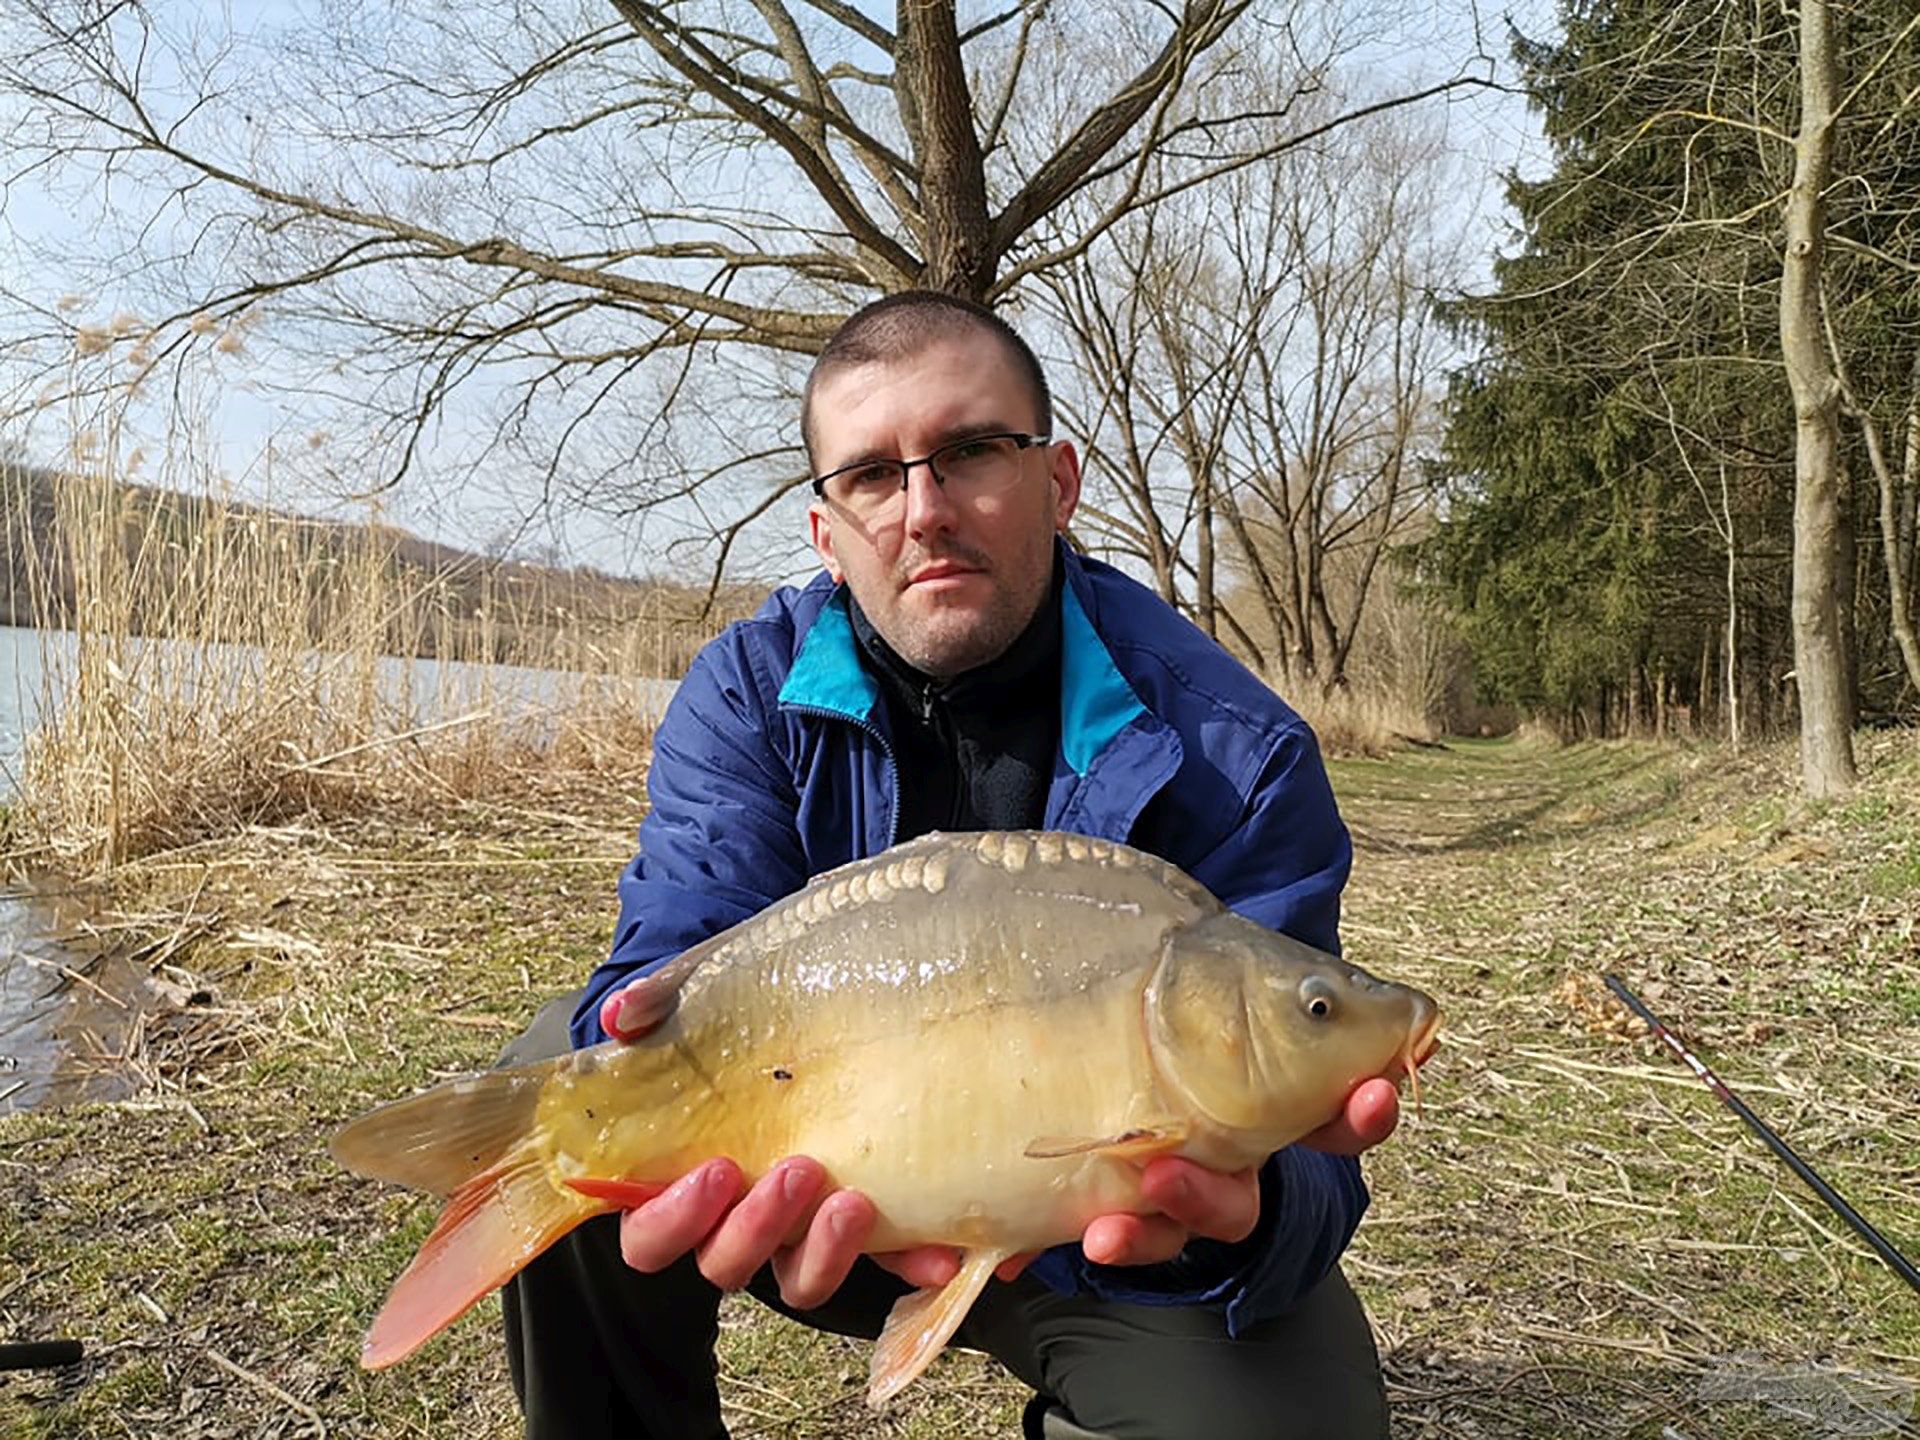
{"points": [[633, 1010]]}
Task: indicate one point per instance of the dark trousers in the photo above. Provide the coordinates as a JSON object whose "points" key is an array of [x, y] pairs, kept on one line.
{"points": [[598, 1349]]}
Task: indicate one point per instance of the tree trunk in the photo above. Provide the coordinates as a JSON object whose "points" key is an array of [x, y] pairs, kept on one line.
{"points": [[953, 179], [1910, 480], [1704, 694], [1820, 533], [1895, 508], [1277, 616]]}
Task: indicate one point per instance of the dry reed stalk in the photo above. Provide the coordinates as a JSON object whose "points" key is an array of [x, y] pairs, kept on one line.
{"points": [[207, 660], [1362, 718]]}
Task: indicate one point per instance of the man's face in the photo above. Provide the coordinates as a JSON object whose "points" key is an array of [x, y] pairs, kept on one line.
{"points": [[948, 584]]}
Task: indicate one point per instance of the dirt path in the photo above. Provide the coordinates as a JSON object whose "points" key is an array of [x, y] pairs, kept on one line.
{"points": [[1575, 1239]]}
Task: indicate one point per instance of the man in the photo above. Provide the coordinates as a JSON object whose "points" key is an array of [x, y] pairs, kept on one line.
{"points": [[956, 668]]}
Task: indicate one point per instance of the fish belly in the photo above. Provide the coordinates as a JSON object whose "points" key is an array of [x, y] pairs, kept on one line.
{"points": [[916, 1042]]}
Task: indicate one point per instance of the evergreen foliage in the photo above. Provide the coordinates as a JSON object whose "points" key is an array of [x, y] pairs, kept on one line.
{"points": [[1626, 436]]}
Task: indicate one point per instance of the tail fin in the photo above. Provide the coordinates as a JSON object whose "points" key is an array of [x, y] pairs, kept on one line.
{"points": [[469, 1139]]}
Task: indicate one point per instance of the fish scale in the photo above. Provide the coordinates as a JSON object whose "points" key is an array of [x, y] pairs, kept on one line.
{"points": [[986, 1034]]}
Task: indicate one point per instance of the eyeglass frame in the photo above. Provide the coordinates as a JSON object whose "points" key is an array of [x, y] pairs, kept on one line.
{"points": [[1023, 442]]}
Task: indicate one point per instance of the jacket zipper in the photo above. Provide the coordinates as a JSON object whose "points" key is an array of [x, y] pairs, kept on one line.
{"points": [[893, 765]]}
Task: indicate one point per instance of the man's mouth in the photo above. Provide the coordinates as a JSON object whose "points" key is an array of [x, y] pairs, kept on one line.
{"points": [[942, 571]]}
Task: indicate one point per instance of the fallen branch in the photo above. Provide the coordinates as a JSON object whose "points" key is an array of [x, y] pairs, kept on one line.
{"points": [[267, 1386]]}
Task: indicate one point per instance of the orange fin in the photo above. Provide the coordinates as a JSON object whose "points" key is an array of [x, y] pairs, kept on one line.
{"points": [[920, 1324], [1142, 1142], [493, 1225], [623, 1194]]}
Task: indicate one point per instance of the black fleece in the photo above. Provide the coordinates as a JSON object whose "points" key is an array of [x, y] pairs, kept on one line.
{"points": [[975, 752]]}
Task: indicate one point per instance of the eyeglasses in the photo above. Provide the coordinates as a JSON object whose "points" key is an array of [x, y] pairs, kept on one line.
{"points": [[975, 468]]}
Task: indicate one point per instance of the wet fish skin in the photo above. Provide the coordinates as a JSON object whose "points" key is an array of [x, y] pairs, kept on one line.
{"points": [[986, 1034]]}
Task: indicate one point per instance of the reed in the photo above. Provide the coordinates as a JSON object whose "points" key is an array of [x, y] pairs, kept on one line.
{"points": [[1364, 717], [208, 666]]}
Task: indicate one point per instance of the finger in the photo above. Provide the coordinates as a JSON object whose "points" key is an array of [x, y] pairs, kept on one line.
{"points": [[759, 1225], [811, 1271], [630, 1012], [1372, 1111], [1010, 1268], [1206, 1202], [1133, 1239], [925, 1267], [680, 1217]]}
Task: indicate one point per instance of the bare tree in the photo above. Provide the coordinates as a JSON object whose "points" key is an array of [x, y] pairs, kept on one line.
{"points": [[1257, 369], [1344, 390], [556, 224], [1822, 534]]}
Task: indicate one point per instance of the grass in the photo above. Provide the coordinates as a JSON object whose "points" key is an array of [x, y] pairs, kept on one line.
{"points": [[1573, 1239]]}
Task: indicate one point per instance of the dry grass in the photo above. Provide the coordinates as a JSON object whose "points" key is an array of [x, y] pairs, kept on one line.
{"points": [[1574, 1239], [1577, 1239], [1362, 719], [224, 667]]}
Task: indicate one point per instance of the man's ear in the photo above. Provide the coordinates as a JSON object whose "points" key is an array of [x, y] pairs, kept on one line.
{"points": [[820, 532], [1066, 483]]}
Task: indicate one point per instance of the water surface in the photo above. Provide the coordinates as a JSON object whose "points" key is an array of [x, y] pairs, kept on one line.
{"points": [[56, 1031]]}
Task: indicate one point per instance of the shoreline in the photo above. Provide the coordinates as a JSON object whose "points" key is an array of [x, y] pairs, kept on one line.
{"points": [[65, 1009]]}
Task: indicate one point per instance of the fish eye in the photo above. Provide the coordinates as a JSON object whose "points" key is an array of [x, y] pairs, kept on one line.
{"points": [[1316, 998]]}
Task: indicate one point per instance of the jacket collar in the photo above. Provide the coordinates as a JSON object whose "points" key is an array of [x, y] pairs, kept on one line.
{"points": [[1096, 702]]}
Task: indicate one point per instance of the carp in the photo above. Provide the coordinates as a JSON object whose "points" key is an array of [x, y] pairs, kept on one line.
{"points": [[989, 1034]]}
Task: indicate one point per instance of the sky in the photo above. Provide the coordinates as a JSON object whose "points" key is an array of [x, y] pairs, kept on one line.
{"points": [[249, 407]]}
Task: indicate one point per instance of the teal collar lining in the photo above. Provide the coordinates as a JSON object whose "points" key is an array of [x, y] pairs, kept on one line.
{"points": [[1096, 702], [827, 673]]}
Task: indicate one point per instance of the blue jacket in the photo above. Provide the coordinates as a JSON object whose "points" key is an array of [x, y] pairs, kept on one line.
{"points": [[772, 764]]}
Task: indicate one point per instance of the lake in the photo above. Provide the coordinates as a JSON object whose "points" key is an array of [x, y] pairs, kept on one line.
{"points": [[44, 1013]]}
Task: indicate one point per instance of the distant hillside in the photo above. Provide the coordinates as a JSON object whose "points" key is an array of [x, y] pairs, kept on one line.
{"points": [[447, 600]]}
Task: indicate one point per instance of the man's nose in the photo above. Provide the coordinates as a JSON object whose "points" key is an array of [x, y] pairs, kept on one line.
{"points": [[929, 507]]}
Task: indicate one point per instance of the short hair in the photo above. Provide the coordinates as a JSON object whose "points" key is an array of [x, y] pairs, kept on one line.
{"points": [[902, 324]]}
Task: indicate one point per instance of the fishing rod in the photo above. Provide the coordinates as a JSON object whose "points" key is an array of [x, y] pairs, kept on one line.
{"points": [[39, 1354], [1882, 1246]]}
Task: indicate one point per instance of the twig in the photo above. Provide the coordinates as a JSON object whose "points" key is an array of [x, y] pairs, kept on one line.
{"points": [[380, 740], [270, 1388], [77, 978], [1638, 1072], [1637, 1347]]}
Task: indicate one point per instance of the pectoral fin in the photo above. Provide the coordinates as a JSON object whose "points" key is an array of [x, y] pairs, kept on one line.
{"points": [[627, 1194], [920, 1324], [1142, 1142]]}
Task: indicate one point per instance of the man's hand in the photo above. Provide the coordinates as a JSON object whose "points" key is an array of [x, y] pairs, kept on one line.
{"points": [[637, 1007], [1373, 1109], [1191, 1200], [810, 1234]]}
